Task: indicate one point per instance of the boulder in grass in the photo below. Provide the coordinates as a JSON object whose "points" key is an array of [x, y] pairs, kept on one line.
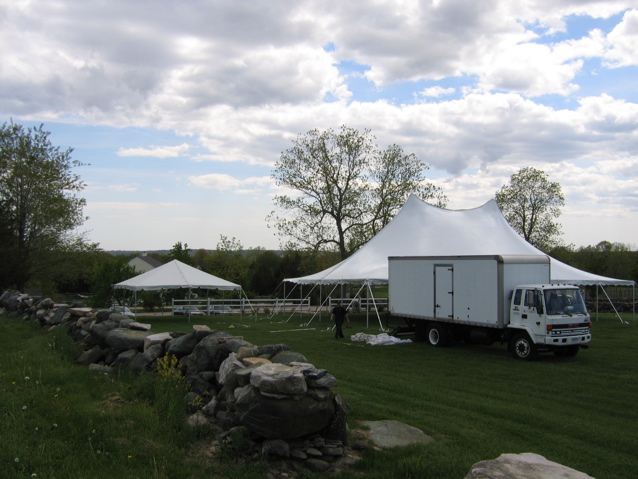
{"points": [[522, 466]]}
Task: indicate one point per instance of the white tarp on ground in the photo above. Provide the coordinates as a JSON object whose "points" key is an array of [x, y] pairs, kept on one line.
{"points": [[420, 229], [175, 275], [382, 339]]}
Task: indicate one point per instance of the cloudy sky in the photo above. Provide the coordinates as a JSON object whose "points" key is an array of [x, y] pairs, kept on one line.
{"points": [[181, 108]]}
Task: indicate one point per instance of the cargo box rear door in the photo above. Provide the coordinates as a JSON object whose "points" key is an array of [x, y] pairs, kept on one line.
{"points": [[444, 291]]}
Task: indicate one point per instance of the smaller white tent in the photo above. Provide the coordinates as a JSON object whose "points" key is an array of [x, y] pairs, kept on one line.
{"points": [[175, 275]]}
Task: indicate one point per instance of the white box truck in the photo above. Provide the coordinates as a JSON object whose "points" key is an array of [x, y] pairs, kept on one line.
{"points": [[486, 299]]}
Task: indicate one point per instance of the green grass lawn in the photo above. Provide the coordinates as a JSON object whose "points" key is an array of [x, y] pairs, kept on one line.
{"points": [[475, 401]]}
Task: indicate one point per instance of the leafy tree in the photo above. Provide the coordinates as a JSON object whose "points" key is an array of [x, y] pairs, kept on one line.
{"points": [[344, 189], [228, 261], [108, 271], [199, 258], [265, 273], [181, 253], [531, 203], [39, 205]]}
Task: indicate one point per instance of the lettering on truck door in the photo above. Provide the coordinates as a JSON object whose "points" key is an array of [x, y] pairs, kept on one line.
{"points": [[443, 291]]}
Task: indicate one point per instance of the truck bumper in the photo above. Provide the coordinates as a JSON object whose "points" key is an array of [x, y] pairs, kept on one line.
{"points": [[565, 340]]}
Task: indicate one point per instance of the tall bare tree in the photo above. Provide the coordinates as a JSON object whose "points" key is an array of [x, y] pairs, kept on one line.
{"points": [[341, 189]]}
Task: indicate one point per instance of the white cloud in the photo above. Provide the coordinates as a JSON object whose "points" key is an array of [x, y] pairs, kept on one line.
{"points": [[245, 80], [623, 40], [124, 188], [223, 182], [156, 151], [437, 91]]}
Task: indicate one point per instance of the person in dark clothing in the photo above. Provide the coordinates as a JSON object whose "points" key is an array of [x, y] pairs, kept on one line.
{"points": [[339, 315]]}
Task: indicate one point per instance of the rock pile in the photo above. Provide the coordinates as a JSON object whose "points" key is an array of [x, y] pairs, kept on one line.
{"points": [[281, 403]]}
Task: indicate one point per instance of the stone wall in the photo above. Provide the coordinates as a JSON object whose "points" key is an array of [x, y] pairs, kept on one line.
{"points": [[270, 394]]}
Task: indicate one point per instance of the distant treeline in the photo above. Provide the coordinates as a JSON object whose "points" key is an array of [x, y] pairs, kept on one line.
{"points": [[261, 272], [614, 260]]}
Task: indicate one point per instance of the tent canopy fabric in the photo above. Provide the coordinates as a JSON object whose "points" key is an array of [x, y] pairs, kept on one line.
{"points": [[420, 229], [175, 275]]}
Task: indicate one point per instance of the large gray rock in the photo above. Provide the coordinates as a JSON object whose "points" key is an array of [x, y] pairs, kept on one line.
{"points": [[12, 302], [282, 418], [153, 352], [101, 330], [276, 378], [157, 338], [103, 315], [125, 358], [91, 356], [211, 351], [58, 315], [123, 339], [181, 346], [230, 364], [288, 357], [271, 350], [388, 434], [522, 466]]}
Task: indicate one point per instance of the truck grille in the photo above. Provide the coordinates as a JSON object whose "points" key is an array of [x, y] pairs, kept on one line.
{"points": [[569, 332]]}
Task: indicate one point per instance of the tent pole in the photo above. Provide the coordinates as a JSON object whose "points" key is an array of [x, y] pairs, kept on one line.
{"points": [[376, 309], [633, 302], [612, 304], [299, 305], [320, 306], [367, 309], [283, 305]]}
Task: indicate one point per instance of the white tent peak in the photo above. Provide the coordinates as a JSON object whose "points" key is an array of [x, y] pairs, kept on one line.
{"points": [[175, 275], [421, 229]]}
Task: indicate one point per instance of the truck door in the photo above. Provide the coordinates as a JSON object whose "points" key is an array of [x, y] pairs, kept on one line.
{"points": [[516, 306], [443, 291], [532, 311]]}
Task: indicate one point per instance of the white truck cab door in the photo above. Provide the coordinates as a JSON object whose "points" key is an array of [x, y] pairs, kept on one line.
{"points": [[532, 311]]}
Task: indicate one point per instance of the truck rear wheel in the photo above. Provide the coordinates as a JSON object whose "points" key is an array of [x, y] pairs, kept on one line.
{"points": [[437, 335], [523, 347]]}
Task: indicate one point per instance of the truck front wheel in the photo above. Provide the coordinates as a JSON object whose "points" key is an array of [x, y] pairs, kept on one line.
{"points": [[523, 347], [437, 335]]}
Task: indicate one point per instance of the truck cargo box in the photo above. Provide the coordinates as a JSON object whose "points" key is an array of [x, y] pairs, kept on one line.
{"points": [[473, 290]]}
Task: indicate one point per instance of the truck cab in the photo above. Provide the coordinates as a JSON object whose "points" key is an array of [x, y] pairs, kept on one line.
{"points": [[548, 318]]}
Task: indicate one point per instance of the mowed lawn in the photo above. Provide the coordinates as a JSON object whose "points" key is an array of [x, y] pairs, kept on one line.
{"points": [[475, 401]]}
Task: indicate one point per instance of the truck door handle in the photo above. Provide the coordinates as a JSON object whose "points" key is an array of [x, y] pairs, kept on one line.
{"points": [[437, 306], [524, 316]]}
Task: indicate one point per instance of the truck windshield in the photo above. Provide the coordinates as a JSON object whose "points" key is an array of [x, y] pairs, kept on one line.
{"points": [[564, 301]]}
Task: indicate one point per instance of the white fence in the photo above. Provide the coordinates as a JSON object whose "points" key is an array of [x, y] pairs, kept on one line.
{"points": [[248, 306]]}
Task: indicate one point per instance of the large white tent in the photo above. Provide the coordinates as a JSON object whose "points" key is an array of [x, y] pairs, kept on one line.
{"points": [[175, 275], [420, 229]]}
